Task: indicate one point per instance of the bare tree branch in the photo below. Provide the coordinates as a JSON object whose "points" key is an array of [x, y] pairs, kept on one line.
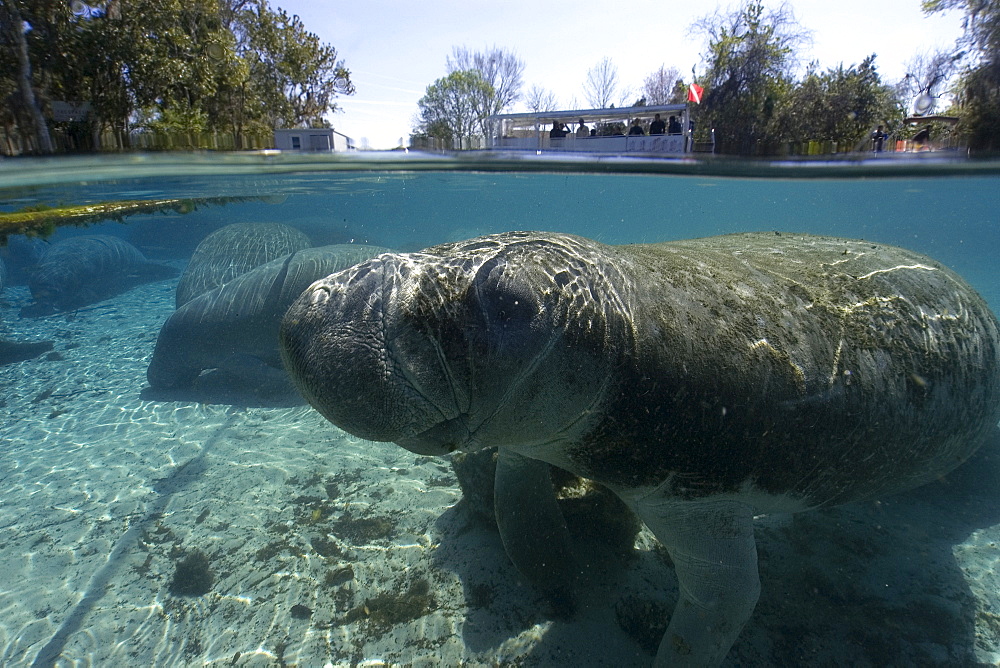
{"points": [[540, 99], [601, 85]]}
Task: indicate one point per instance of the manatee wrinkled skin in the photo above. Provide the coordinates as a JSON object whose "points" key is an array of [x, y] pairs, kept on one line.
{"points": [[234, 250], [703, 381], [240, 320], [83, 270]]}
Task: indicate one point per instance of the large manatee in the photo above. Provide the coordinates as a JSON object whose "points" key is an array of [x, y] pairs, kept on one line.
{"points": [[233, 250], [82, 270], [703, 381], [240, 320]]}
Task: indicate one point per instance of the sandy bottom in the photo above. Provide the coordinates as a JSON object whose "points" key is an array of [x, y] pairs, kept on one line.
{"points": [[327, 550]]}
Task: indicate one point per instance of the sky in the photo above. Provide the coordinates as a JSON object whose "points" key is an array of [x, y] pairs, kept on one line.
{"points": [[395, 49]]}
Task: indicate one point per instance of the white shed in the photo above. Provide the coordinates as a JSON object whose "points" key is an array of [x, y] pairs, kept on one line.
{"points": [[312, 139]]}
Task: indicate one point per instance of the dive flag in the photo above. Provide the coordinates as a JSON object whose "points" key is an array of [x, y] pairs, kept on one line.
{"points": [[694, 93]]}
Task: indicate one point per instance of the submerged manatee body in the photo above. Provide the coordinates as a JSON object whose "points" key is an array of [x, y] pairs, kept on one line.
{"points": [[240, 320], [703, 381], [83, 270], [234, 250]]}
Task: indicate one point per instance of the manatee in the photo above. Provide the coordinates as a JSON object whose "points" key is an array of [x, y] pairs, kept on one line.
{"points": [[82, 270], [238, 322], [516, 494], [703, 381], [21, 254], [234, 250]]}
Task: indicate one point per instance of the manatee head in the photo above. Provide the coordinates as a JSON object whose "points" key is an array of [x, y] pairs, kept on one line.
{"points": [[501, 340], [54, 288]]}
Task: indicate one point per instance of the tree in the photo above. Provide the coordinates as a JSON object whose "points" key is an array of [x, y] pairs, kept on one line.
{"points": [[928, 74], [540, 99], [750, 58], [660, 87], [840, 104], [172, 65], [302, 77], [499, 68], [979, 85], [449, 109], [601, 86], [12, 36]]}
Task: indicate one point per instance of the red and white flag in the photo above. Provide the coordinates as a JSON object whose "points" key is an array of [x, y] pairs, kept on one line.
{"points": [[694, 93]]}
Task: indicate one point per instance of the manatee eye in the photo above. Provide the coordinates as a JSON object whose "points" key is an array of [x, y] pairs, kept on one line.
{"points": [[508, 305], [505, 300]]}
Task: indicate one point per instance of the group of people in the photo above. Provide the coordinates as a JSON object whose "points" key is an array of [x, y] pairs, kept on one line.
{"points": [[656, 127], [559, 130]]}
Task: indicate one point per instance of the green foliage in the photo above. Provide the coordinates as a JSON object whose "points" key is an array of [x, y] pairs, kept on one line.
{"points": [[979, 109], [749, 70], [296, 75], [841, 105], [177, 65], [450, 108]]}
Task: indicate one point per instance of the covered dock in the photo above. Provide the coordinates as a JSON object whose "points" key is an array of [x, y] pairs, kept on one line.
{"points": [[606, 131]]}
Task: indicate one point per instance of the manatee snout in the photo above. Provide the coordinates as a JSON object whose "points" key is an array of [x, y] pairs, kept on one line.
{"points": [[446, 353], [338, 342]]}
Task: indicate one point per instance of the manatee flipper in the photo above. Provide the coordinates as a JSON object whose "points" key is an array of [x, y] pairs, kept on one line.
{"points": [[256, 375], [532, 527], [715, 557]]}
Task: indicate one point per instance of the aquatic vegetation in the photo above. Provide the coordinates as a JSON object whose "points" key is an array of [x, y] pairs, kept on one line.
{"points": [[275, 548], [42, 220], [338, 576], [386, 610], [325, 547], [193, 575], [364, 529], [300, 611]]}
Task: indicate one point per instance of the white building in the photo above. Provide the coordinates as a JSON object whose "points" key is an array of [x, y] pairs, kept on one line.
{"points": [[312, 139]]}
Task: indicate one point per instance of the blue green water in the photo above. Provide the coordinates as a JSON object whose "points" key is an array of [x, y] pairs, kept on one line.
{"points": [[104, 486], [949, 211]]}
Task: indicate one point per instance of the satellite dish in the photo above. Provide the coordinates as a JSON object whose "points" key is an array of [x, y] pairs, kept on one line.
{"points": [[78, 8], [923, 104]]}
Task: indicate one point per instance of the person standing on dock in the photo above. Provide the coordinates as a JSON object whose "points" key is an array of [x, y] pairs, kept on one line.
{"points": [[878, 140]]}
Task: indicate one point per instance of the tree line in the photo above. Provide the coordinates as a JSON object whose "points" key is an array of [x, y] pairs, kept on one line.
{"points": [[235, 66], [753, 103]]}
